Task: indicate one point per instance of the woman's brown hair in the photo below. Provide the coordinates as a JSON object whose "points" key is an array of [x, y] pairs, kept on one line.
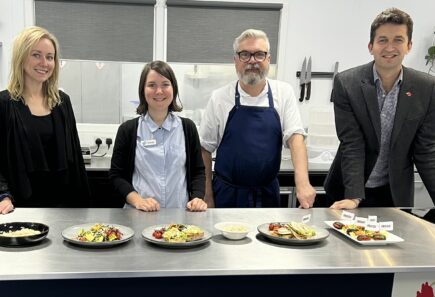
{"points": [[165, 70]]}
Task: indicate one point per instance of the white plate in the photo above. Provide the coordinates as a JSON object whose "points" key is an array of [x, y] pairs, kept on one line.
{"points": [[321, 234], [70, 235], [147, 234], [391, 238]]}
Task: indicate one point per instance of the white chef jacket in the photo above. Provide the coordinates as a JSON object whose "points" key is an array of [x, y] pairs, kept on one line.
{"points": [[222, 101]]}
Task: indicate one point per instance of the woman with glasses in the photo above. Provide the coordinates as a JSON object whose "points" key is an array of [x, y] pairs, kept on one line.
{"points": [[41, 163], [156, 160], [246, 123]]}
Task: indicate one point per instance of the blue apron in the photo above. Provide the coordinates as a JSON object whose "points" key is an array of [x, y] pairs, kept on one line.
{"points": [[249, 157]]}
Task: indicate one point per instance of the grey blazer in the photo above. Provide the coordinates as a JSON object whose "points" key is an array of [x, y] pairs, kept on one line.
{"points": [[358, 125]]}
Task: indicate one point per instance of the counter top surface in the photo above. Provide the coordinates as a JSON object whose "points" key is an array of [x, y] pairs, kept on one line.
{"points": [[55, 258]]}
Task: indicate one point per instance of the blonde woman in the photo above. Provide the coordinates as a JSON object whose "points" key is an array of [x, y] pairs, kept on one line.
{"points": [[40, 158]]}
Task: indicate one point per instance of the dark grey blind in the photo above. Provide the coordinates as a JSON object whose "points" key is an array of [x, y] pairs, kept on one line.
{"points": [[99, 31], [199, 34]]}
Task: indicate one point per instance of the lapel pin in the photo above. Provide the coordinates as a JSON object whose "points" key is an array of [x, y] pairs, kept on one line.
{"points": [[409, 94]]}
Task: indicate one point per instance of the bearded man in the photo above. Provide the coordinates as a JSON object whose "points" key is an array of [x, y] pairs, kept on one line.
{"points": [[247, 122]]}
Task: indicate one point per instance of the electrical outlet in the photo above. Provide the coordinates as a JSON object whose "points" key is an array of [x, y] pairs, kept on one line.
{"points": [[106, 146], [98, 141]]}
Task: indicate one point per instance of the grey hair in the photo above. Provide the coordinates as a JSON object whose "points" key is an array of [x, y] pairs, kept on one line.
{"points": [[250, 33]]}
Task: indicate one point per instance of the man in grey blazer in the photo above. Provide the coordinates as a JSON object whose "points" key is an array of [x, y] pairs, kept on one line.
{"points": [[385, 121]]}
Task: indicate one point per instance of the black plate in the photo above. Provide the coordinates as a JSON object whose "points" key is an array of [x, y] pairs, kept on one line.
{"points": [[22, 240]]}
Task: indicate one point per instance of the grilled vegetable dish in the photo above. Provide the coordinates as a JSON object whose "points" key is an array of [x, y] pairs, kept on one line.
{"points": [[360, 233], [292, 230], [179, 233], [100, 233]]}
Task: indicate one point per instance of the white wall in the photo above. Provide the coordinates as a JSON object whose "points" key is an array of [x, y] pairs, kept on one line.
{"points": [[338, 30], [328, 31], [14, 16]]}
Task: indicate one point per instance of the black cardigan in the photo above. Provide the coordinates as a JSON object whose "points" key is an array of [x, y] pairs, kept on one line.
{"points": [[21, 153], [124, 154]]}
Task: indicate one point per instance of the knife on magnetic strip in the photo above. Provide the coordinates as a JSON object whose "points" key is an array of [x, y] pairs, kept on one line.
{"points": [[333, 77], [308, 80], [302, 79]]}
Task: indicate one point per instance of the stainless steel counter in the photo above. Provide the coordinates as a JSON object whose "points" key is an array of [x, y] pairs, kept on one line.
{"points": [[103, 164], [57, 259]]}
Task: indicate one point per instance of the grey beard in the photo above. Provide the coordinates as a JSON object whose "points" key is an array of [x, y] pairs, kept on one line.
{"points": [[253, 78]]}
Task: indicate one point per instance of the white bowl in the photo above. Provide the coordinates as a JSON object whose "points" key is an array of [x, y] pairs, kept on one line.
{"points": [[233, 230]]}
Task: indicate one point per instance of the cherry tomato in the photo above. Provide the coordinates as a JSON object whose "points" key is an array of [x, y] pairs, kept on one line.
{"points": [[158, 234], [274, 226]]}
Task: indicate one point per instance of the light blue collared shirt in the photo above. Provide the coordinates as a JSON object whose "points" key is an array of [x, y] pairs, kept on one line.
{"points": [[160, 162]]}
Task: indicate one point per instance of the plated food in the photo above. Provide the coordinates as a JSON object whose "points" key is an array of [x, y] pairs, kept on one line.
{"points": [[98, 234], [293, 233], [19, 233], [362, 236], [179, 233], [22, 233], [176, 235], [292, 230], [233, 230]]}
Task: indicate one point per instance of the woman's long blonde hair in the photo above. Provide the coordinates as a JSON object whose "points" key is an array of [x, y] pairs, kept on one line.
{"points": [[22, 47]]}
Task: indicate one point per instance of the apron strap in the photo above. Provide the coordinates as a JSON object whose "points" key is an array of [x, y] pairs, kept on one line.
{"points": [[269, 95], [237, 96]]}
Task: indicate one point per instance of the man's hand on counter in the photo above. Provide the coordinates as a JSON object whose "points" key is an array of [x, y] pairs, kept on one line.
{"points": [[197, 204], [306, 195], [346, 204], [209, 197]]}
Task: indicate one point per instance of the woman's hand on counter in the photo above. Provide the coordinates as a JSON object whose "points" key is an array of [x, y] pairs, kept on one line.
{"points": [[6, 206], [346, 204], [145, 204], [197, 204]]}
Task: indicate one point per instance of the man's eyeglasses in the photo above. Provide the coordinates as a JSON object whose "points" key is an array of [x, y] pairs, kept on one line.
{"points": [[245, 56]]}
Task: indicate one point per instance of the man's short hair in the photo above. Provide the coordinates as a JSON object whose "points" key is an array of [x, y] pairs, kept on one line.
{"points": [[391, 16], [250, 33]]}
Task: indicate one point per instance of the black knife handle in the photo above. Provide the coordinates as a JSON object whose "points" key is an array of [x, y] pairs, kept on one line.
{"points": [[301, 98], [308, 91]]}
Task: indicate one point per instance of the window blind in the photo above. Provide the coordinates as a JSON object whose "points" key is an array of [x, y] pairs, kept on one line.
{"points": [[101, 31], [205, 33]]}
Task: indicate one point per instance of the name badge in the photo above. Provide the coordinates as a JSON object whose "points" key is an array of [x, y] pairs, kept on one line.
{"points": [[149, 142]]}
